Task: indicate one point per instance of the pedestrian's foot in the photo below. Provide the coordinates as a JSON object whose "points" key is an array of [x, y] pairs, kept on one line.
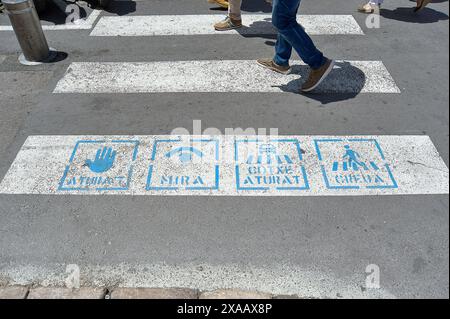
{"points": [[228, 24], [220, 3], [368, 8], [269, 64], [317, 76], [421, 4]]}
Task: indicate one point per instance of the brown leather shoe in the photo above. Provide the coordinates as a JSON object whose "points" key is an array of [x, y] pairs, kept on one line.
{"points": [[421, 4], [228, 24], [317, 76], [269, 64], [369, 8]]}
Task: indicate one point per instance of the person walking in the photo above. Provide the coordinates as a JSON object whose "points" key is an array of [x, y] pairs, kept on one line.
{"points": [[293, 35], [374, 5]]}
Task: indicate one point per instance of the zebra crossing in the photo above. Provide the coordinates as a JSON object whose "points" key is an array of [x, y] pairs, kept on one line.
{"points": [[238, 75], [301, 166], [255, 24]]}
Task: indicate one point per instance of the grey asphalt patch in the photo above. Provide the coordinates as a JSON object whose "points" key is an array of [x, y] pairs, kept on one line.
{"points": [[22, 83], [167, 239], [18, 91]]}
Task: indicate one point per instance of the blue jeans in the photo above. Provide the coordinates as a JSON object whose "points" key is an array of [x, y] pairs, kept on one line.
{"points": [[292, 35]]}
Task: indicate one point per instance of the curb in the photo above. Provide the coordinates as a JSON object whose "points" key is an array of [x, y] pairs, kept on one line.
{"points": [[24, 292]]}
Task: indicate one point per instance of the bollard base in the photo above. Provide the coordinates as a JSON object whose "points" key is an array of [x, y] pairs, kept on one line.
{"points": [[51, 56]]}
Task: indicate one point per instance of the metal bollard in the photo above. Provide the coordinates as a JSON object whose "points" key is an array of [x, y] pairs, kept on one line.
{"points": [[28, 29]]}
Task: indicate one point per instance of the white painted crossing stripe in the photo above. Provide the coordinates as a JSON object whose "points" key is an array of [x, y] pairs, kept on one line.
{"points": [[227, 166], [219, 76], [83, 24], [166, 25]]}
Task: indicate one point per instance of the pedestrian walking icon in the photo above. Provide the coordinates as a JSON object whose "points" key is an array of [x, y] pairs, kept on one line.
{"points": [[100, 166], [276, 165], [354, 164], [352, 161], [352, 157]]}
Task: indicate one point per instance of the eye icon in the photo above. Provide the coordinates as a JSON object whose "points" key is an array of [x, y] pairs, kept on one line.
{"points": [[185, 154]]}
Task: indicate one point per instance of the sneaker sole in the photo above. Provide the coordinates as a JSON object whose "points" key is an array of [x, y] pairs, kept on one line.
{"points": [[366, 11], [274, 69], [361, 10], [325, 74], [228, 29]]}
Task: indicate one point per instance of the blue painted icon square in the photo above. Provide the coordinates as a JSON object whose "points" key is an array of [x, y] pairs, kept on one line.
{"points": [[178, 164], [276, 164], [100, 165], [354, 163]]}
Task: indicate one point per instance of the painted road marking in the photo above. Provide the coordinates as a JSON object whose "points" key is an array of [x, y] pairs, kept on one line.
{"points": [[110, 169], [260, 24], [227, 166], [2, 58], [236, 76], [276, 164], [171, 155], [345, 165], [82, 24]]}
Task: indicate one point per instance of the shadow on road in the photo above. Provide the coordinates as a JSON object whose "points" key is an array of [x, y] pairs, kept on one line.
{"points": [[254, 31], [56, 16], [256, 6], [60, 56], [249, 6], [426, 15], [120, 8], [345, 82]]}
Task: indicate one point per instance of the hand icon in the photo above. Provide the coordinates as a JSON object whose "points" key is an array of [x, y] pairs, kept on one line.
{"points": [[103, 162]]}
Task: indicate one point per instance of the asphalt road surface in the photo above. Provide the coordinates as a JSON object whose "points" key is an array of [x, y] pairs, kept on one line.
{"points": [[314, 246]]}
